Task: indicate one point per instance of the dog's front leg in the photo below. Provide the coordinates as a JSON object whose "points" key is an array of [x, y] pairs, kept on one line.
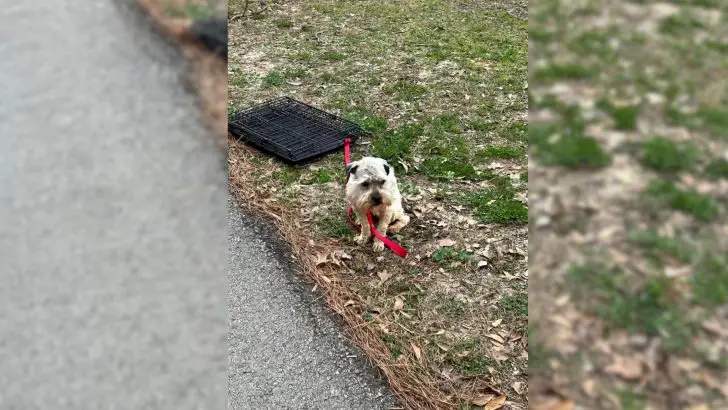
{"points": [[366, 232], [382, 226]]}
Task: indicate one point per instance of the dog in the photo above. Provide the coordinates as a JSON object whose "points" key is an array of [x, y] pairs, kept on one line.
{"points": [[372, 186]]}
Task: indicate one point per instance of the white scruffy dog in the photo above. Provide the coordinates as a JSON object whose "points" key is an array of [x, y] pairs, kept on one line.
{"points": [[371, 186]]}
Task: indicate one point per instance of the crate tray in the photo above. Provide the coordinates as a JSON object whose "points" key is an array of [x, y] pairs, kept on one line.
{"points": [[293, 131]]}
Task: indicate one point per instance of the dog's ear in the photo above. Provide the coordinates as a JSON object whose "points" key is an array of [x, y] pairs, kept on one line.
{"points": [[386, 168], [351, 168]]}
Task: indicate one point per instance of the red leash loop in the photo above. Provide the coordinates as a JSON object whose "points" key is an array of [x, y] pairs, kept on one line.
{"points": [[392, 245], [347, 151]]}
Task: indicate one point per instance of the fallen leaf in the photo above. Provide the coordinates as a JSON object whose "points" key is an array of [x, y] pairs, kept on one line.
{"points": [[715, 327], [517, 387], [349, 303], [294, 81], [590, 387], [564, 405], [327, 280], [417, 351], [383, 276], [482, 264], [398, 304], [495, 403], [321, 259], [443, 346], [495, 337], [482, 400], [446, 242], [496, 323], [627, 368]]}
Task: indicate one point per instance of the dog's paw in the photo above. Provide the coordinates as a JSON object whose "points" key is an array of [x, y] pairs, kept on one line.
{"points": [[360, 240], [378, 246]]}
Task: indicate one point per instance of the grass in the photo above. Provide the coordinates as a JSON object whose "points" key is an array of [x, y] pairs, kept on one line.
{"points": [[710, 281], [506, 152], [701, 207], [649, 309], [717, 169], [631, 127], [567, 146], [624, 117], [656, 245], [447, 255], [662, 154], [438, 98], [566, 71], [497, 205]]}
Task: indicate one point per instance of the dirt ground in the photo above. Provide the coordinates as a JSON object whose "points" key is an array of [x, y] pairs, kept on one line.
{"points": [[442, 88], [628, 219]]}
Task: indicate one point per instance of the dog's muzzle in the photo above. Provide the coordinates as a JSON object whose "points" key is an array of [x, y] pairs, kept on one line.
{"points": [[376, 199]]}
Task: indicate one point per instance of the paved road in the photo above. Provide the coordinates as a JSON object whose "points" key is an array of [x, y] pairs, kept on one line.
{"points": [[286, 351], [113, 207]]}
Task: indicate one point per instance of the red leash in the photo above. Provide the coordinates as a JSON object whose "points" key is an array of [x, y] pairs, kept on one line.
{"points": [[392, 245]]}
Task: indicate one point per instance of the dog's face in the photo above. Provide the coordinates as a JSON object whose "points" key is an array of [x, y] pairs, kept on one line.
{"points": [[371, 182]]}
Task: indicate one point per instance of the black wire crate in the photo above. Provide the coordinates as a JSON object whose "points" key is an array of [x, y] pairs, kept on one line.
{"points": [[291, 130]]}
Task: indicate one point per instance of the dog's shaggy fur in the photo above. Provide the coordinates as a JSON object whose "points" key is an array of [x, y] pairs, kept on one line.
{"points": [[372, 186]]}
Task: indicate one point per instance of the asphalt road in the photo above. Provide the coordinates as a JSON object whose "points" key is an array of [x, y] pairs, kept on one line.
{"points": [[113, 211], [286, 350], [113, 228]]}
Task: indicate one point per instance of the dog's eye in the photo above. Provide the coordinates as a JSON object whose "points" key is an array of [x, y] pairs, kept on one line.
{"points": [[365, 184]]}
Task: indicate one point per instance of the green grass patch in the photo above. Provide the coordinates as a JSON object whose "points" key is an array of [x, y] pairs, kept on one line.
{"points": [[717, 169], [515, 310], [319, 176], [396, 144], [700, 206], [680, 24], [625, 117], [447, 255], [287, 175], [502, 152], [651, 309], [566, 146], [710, 281], [333, 56], [713, 120], [441, 168], [475, 363], [592, 43], [302, 56], [451, 307], [283, 23], [565, 71], [239, 80], [393, 344], [368, 121], [662, 154], [631, 400], [274, 79], [405, 89], [497, 204], [334, 226], [656, 246]]}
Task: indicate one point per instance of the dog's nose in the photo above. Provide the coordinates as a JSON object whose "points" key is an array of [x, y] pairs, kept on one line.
{"points": [[376, 199]]}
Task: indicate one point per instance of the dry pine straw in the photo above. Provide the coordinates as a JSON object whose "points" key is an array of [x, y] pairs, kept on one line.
{"points": [[209, 74]]}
